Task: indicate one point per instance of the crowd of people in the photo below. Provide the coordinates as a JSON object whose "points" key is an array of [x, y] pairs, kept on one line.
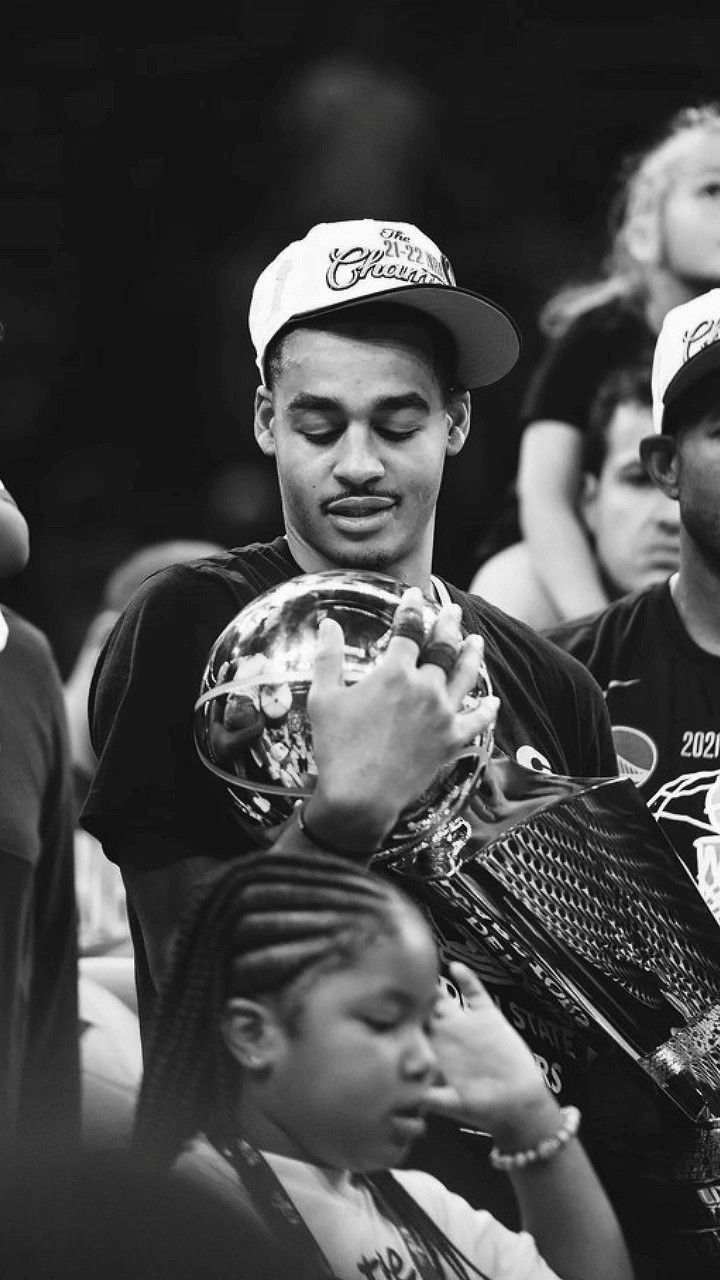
{"points": [[262, 1030]]}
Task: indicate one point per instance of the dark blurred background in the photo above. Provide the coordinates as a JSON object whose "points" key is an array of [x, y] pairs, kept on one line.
{"points": [[154, 160]]}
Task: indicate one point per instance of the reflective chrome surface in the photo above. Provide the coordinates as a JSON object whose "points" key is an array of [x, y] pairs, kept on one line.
{"points": [[251, 723]]}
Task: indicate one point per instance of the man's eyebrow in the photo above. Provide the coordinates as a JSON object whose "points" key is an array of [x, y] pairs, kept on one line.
{"points": [[395, 404], [306, 401]]}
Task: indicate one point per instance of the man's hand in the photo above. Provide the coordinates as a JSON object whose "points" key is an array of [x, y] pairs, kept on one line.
{"points": [[379, 743]]}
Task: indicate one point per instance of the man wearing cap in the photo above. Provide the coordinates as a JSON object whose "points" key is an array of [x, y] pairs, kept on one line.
{"points": [[656, 653], [366, 350]]}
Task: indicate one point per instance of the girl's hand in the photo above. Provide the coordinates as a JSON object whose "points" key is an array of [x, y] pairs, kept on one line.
{"points": [[490, 1079]]}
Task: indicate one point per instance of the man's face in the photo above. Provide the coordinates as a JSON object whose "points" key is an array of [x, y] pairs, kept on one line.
{"points": [[360, 429], [635, 527], [698, 485]]}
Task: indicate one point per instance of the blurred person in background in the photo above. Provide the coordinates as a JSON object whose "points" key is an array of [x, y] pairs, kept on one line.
{"points": [[631, 525], [39, 1060], [109, 1036], [656, 653], [665, 250]]}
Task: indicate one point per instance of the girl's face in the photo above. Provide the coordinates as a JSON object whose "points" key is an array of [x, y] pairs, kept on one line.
{"points": [[348, 1079], [691, 214]]}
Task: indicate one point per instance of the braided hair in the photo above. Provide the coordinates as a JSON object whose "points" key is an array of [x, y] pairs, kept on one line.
{"points": [[261, 924], [257, 927]]}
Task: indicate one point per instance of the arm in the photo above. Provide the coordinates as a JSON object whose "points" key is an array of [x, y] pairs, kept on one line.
{"points": [[491, 1082], [548, 484]]}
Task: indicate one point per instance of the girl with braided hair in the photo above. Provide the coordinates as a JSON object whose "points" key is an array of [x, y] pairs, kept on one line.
{"points": [[300, 1036]]}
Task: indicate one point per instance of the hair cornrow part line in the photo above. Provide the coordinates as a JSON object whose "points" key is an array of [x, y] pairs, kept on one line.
{"points": [[255, 927]]}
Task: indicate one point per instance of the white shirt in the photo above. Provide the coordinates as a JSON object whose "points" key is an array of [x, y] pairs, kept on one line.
{"points": [[355, 1237]]}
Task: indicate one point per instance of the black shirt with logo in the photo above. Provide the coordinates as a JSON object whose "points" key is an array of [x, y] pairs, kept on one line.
{"points": [[663, 696], [153, 803]]}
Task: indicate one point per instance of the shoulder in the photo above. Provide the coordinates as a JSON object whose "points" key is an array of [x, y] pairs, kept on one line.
{"points": [[515, 644], [27, 651], [508, 581], [485, 1241], [180, 610], [433, 1196], [602, 637], [239, 574]]}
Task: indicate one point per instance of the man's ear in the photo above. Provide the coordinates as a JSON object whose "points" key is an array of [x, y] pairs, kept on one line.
{"points": [[458, 416], [587, 502], [251, 1032], [264, 421], [659, 455]]}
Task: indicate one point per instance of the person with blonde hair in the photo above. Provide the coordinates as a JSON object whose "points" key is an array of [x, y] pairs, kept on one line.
{"points": [[665, 250]]}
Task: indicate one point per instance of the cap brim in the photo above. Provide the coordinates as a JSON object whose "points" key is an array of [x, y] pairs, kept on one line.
{"points": [[698, 367], [486, 338]]}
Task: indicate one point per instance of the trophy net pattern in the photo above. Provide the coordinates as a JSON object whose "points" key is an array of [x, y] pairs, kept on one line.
{"points": [[586, 880]]}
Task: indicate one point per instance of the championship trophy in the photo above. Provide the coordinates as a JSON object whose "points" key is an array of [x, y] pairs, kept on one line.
{"points": [[570, 882]]}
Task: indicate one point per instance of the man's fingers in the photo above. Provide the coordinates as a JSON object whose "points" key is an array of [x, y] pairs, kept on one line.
{"points": [[464, 674], [407, 633], [469, 724], [329, 654]]}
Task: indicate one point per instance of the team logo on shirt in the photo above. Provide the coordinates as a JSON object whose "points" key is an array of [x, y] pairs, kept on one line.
{"points": [[530, 758], [637, 754], [694, 799]]}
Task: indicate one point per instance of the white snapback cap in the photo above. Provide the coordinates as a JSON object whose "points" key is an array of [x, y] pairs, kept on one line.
{"points": [[687, 349], [339, 265]]}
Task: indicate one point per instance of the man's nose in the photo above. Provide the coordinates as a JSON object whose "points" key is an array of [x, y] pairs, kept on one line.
{"points": [[358, 461]]}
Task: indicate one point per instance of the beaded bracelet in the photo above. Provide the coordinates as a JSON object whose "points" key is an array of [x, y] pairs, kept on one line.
{"points": [[545, 1149]]}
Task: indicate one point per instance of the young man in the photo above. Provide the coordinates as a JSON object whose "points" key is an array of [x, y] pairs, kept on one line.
{"points": [[366, 350], [656, 654], [632, 525]]}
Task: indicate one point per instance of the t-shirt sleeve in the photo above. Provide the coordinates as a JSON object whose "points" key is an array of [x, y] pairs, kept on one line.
{"points": [[558, 389], [594, 749], [151, 792], [490, 1246]]}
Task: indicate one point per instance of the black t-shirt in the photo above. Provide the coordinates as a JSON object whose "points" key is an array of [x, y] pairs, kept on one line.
{"points": [[39, 1033], [152, 801], [571, 370], [663, 695]]}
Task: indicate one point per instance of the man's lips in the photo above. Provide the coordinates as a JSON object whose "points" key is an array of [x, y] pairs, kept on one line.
{"points": [[356, 508]]}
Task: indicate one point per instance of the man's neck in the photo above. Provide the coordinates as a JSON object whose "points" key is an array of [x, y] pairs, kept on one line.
{"points": [[415, 571], [695, 590]]}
